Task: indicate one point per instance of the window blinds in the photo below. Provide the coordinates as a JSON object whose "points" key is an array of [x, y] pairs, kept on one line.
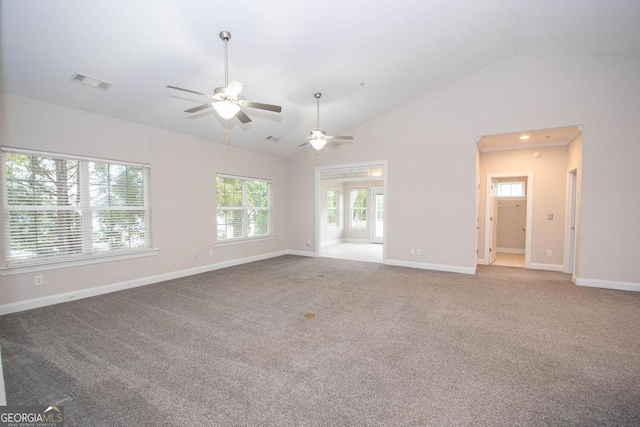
{"points": [[62, 208]]}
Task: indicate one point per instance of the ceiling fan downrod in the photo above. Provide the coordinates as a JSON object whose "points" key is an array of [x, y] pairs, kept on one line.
{"points": [[225, 36], [317, 95]]}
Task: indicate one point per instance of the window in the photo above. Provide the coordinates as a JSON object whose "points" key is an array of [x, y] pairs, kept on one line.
{"points": [[333, 212], [511, 189], [61, 208], [244, 207], [358, 209]]}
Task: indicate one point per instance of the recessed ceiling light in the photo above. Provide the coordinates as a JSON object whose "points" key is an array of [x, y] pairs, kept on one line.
{"points": [[90, 81], [524, 137]]}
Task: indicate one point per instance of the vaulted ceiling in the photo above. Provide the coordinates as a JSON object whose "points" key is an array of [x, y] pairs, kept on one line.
{"points": [[366, 57]]}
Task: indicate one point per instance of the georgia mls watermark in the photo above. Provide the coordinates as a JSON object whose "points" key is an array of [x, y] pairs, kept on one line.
{"points": [[31, 416]]}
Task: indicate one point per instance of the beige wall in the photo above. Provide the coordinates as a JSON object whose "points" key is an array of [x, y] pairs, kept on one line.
{"points": [[549, 196], [183, 172], [430, 149]]}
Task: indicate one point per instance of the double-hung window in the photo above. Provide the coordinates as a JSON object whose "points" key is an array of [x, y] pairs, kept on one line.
{"points": [[60, 208], [358, 199], [333, 211], [243, 207]]}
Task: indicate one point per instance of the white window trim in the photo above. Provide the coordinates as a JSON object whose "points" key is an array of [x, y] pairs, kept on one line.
{"points": [[244, 208], [95, 259], [338, 225], [524, 190], [85, 258], [351, 226]]}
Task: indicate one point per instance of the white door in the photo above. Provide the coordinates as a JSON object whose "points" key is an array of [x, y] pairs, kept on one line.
{"points": [[494, 221], [377, 230]]}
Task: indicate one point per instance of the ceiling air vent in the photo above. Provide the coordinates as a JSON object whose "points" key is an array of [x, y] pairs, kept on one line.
{"points": [[90, 81]]}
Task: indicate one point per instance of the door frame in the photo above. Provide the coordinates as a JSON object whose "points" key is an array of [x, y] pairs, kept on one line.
{"points": [[318, 182], [529, 220], [571, 227], [375, 191]]}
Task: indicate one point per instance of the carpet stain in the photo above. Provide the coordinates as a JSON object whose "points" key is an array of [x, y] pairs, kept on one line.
{"points": [[309, 316]]}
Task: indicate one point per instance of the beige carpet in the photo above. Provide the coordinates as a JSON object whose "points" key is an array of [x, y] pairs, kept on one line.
{"points": [[318, 341]]}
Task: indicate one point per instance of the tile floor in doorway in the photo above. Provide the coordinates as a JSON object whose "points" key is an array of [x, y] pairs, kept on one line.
{"points": [[369, 252], [509, 260]]}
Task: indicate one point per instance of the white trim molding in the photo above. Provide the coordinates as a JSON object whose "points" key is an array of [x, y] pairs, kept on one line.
{"points": [[548, 267], [607, 284], [427, 266]]}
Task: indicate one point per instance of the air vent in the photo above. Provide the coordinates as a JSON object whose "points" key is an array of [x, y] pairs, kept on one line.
{"points": [[90, 81], [274, 139]]}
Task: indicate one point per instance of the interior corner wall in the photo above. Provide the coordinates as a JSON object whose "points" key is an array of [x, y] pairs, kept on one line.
{"points": [[430, 149], [183, 170]]}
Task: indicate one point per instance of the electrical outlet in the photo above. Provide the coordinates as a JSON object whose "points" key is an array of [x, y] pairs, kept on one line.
{"points": [[308, 242], [549, 253], [39, 280], [211, 253], [418, 251], [413, 251], [550, 217]]}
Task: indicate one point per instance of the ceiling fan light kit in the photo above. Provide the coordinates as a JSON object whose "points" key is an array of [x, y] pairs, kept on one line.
{"points": [[318, 138], [225, 109], [225, 100]]}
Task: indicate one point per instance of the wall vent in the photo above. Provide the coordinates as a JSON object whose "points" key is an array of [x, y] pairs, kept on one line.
{"points": [[90, 81]]}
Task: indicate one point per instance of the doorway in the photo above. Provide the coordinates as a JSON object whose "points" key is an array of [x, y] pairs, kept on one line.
{"points": [[509, 201], [353, 196], [550, 242]]}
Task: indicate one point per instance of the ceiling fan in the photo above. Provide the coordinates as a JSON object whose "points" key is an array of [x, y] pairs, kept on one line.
{"points": [[319, 138], [225, 99]]}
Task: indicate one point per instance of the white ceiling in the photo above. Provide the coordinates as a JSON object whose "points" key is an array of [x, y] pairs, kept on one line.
{"points": [[366, 57]]}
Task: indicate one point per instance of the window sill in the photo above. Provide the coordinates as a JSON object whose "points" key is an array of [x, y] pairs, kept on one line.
{"points": [[95, 259], [240, 240]]}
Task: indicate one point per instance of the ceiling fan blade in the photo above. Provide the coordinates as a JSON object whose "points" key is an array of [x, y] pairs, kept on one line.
{"points": [[343, 138], [304, 144], [335, 144], [242, 117], [190, 91], [234, 88], [198, 108], [275, 108]]}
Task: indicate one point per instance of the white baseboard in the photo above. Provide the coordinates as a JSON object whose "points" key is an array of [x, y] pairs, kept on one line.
{"points": [[510, 251], [427, 266], [482, 261], [301, 253], [607, 284], [30, 304], [548, 267]]}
